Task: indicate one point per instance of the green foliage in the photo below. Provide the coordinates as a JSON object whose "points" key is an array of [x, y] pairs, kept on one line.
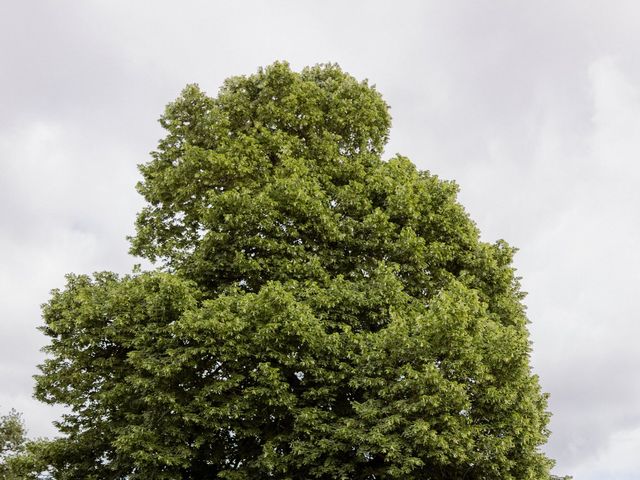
{"points": [[320, 313], [19, 459], [12, 440]]}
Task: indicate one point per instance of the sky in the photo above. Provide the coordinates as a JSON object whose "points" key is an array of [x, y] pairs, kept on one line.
{"points": [[533, 108]]}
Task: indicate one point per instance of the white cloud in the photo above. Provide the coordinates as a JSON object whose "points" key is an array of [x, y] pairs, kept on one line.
{"points": [[60, 213], [582, 272]]}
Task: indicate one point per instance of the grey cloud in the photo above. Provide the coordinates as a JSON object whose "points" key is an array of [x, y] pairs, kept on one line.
{"points": [[533, 108]]}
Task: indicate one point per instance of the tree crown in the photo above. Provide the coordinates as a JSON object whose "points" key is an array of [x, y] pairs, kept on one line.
{"points": [[320, 313]]}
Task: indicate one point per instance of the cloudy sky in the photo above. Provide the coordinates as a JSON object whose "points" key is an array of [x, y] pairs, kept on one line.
{"points": [[532, 107]]}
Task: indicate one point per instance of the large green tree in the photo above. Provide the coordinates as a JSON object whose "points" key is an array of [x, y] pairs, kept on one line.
{"points": [[318, 312]]}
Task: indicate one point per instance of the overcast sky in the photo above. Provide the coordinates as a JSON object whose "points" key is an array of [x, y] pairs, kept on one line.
{"points": [[532, 107]]}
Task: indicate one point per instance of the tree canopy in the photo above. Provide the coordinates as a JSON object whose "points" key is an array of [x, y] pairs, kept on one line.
{"points": [[317, 312]]}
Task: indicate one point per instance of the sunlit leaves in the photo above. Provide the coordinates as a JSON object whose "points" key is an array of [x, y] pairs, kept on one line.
{"points": [[322, 313]]}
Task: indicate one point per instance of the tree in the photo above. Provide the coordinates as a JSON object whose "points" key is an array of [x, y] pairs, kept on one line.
{"points": [[317, 312], [12, 440], [19, 459]]}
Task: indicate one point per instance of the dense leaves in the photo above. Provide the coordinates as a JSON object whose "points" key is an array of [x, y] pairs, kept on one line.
{"points": [[319, 312], [20, 458], [12, 441]]}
